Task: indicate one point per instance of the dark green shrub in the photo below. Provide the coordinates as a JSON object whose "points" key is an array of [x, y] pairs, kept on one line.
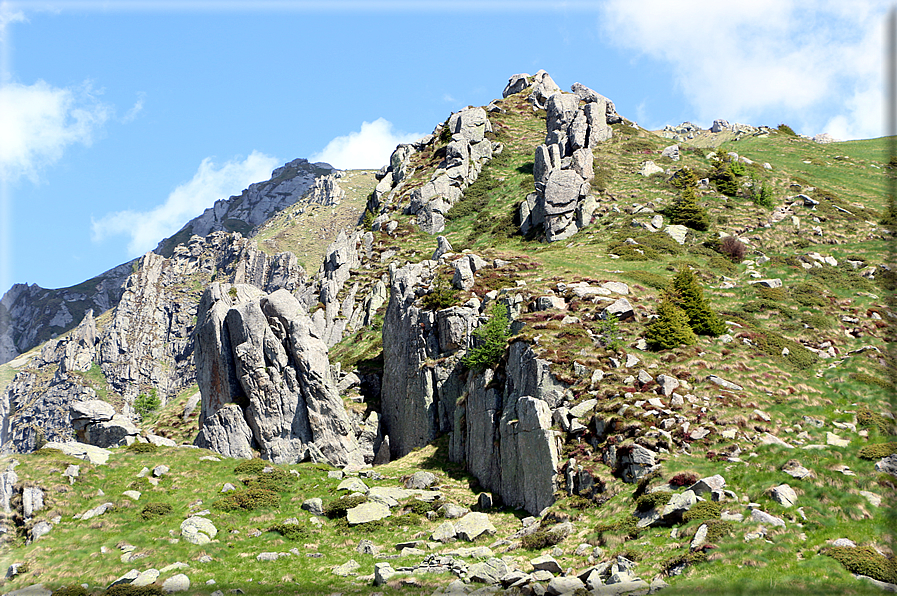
{"points": [[252, 467], [136, 447], [703, 510], [723, 265], [662, 243], [73, 590], [631, 252], [670, 329], [774, 294], [877, 450], [422, 507], [864, 560], [132, 590], [655, 500], [540, 539], [248, 500], [609, 333], [292, 531], [146, 404], [869, 419], [773, 344], [277, 480], [761, 194], [684, 178], [784, 128], [725, 181], [338, 507], [367, 220], [154, 510], [491, 339], [442, 296], [717, 528], [817, 321], [807, 294], [627, 525]]}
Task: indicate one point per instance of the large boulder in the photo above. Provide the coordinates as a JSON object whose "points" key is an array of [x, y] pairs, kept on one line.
{"points": [[266, 356]]}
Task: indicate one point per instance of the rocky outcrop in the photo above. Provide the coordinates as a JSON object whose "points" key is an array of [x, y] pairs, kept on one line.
{"points": [[504, 435], [392, 177], [465, 155], [326, 191], [421, 365], [499, 426], [263, 353], [467, 151], [149, 343], [563, 166]]}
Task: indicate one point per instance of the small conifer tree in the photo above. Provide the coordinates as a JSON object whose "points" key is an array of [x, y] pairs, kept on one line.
{"points": [[492, 336], [670, 329], [686, 211], [689, 296]]}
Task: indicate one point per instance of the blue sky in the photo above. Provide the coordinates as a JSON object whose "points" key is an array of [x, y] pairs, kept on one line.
{"points": [[120, 121]]}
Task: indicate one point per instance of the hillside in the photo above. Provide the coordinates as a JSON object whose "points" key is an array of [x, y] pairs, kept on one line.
{"points": [[627, 367]]}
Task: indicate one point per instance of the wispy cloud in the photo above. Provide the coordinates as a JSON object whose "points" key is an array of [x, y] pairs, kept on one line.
{"points": [[209, 184], [448, 98], [135, 109], [819, 66], [9, 15], [38, 122], [367, 148]]}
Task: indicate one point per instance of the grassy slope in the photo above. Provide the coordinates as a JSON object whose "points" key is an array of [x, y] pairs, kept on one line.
{"points": [[308, 234], [784, 387]]}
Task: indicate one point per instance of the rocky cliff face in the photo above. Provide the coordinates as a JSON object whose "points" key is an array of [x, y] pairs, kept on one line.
{"points": [[499, 426], [266, 381]]}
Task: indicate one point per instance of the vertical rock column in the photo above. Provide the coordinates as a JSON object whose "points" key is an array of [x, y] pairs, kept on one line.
{"points": [[563, 166]]}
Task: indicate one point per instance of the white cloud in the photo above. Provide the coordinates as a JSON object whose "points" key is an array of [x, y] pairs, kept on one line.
{"points": [[209, 184], [7, 16], [810, 65], [135, 109], [38, 122], [368, 148]]}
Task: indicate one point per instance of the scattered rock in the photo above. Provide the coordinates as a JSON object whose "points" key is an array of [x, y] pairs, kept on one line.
{"points": [[367, 512], [176, 583], [421, 480], [473, 525], [346, 569], [198, 530]]}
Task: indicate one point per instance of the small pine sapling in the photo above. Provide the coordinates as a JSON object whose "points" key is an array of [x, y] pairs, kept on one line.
{"points": [[491, 339]]}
